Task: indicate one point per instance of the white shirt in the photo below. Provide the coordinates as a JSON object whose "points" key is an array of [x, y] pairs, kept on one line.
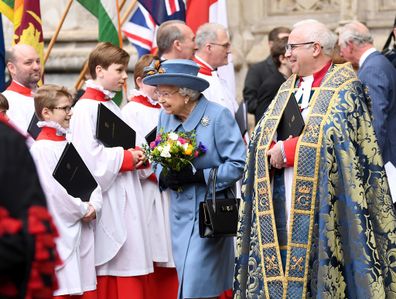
{"points": [[365, 55]]}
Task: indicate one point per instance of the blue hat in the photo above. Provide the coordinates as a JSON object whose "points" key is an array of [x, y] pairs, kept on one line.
{"points": [[177, 72]]}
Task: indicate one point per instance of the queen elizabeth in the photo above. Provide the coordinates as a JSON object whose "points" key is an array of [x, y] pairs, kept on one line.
{"points": [[204, 266]]}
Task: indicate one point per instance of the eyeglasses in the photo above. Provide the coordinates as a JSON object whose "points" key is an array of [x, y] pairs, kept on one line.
{"points": [[225, 46], [291, 47], [67, 109], [165, 94]]}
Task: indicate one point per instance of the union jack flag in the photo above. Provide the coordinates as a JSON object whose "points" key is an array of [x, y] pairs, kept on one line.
{"points": [[142, 26]]}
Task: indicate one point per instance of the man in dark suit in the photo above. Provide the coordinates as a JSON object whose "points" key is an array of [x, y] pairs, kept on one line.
{"points": [[379, 75], [260, 71]]}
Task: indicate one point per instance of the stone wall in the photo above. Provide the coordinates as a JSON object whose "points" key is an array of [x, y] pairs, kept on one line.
{"points": [[249, 23]]}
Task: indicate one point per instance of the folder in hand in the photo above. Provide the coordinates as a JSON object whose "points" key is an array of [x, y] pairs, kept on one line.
{"points": [[150, 137], [72, 173], [292, 122], [112, 131], [33, 129]]}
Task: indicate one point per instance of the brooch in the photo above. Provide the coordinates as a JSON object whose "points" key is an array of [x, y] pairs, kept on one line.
{"points": [[205, 121]]}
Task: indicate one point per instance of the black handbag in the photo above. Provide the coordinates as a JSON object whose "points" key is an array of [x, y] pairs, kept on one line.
{"points": [[218, 216]]}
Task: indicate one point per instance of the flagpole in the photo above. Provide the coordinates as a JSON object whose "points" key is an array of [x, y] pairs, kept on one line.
{"points": [[128, 12], [118, 23], [80, 80], [122, 4], [55, 36]]}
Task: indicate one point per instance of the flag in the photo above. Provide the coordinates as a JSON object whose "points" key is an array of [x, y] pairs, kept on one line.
{"points": [[107, 13], [2, 57], [142, 26], [26, 17], [165, 10], [140, 31]]}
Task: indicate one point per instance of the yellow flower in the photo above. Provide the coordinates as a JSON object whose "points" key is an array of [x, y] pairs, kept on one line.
{"points": [[188, 151]]}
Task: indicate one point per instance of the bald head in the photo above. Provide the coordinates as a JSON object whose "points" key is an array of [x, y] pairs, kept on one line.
{"points": [[175, 40], [318, 32], [310, 47], [24, 66]]}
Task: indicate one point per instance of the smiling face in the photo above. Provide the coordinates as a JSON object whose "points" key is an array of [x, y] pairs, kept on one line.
{"points": [[112, 78], [61, 113], [25, 66], [170, 99], [300, 52]]}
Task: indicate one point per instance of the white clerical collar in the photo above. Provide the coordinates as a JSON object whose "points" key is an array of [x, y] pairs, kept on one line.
{"points": [[365, 55], [60, 131], [136, 92], [92, 84]]}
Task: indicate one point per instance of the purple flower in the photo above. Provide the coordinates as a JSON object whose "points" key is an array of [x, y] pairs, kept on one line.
{"points": [[202, 148]]}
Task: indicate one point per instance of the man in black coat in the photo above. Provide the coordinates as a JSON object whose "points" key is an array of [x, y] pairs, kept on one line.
{"points": [[258, 72]]}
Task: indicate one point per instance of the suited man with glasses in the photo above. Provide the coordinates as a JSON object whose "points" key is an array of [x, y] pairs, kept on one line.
{"points": [[213, 46], [316, 217]]}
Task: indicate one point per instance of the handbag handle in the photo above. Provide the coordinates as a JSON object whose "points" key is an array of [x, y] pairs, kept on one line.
{"points": [[212, 182]]}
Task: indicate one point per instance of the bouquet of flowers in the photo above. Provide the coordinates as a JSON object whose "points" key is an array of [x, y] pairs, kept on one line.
{"points": [[174, 150]]}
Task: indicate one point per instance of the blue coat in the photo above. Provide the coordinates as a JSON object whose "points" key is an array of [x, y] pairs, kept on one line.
{"points": [[204, 266], [379, 75]]}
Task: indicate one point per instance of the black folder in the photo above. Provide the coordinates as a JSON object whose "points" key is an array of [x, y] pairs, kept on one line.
{"points": [[33, 129], [72, 173], [112, 131], [292, 122], [241, 118], [150, 137]]}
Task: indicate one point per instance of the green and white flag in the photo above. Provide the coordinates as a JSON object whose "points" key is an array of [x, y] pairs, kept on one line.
{"points": [[106, 13]]}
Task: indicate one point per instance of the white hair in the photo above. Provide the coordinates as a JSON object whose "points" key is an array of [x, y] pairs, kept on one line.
{"points": [[356, 33], [207, 33], [187, 92], [318, 32]]}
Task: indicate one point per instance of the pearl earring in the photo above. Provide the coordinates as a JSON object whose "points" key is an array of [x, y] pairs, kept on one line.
{"points": [[186, 101]]}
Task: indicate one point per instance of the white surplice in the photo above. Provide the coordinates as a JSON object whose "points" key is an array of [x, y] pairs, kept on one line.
{"points": [[75, 244], [143, 118], [21, 109], [122, 246]]}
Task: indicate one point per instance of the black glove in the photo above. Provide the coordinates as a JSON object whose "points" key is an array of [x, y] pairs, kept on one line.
{"points": [[175, 179]]}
